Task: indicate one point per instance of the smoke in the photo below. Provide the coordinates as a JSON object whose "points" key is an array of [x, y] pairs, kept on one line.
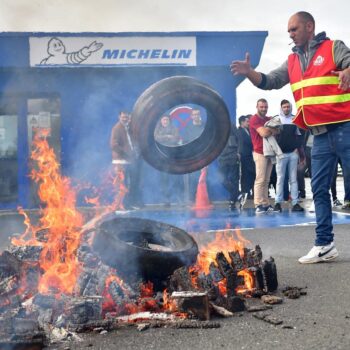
{"points": [[11, 224]]}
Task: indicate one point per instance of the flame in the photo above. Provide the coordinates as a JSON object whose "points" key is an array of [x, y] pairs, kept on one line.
{"points": [[62, 225], [108, 304], [248, 281], [58, 216], [168, 304], [121, 283], [28, 237], [113, 184], [222, 286], [224, 242], [146, 290]]}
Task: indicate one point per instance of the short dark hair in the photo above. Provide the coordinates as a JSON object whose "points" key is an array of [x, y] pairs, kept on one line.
{"points": [[261, 100], [283, 102], [242, 119], [306, 17]]}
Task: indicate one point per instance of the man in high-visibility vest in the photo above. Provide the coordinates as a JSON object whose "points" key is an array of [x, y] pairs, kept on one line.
{"points": [[318, 71]]}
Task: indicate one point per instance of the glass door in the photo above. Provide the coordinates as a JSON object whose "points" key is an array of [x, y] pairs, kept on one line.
{"points": [[8, 157]]}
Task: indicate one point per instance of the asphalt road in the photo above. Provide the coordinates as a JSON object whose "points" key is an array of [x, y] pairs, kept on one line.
{"points": [[320, 320]]}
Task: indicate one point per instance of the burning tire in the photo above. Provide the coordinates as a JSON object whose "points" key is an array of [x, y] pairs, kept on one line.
{"points": [[162, 96], [151, 249]]}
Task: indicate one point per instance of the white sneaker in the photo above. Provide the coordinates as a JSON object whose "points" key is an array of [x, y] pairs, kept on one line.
{"points": [[311, 208], [319, 254], [337, 204], [242, 198]]}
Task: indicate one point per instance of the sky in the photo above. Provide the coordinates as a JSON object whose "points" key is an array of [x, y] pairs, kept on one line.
{"points": [[185, 15]]}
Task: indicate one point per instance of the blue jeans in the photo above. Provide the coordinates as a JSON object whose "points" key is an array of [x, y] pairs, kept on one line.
{"points": [[325, 151], [290, 161]]}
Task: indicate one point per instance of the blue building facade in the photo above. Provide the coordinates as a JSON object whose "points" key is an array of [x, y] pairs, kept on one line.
{"points": [[77, 83]]}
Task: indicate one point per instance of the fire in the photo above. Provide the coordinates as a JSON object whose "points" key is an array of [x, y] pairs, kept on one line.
{"points": [[58, 216], [28, 237], [168, 304], [60, 228], [59, 234], [108, 303], [248, 280], [119, 184], [222, 287], [114, 183], [224, 242]]}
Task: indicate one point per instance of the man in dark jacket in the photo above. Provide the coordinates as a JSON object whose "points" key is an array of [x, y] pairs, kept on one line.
{"points": [[125, 157], [229, 168], [245, 150], [289, 142]]}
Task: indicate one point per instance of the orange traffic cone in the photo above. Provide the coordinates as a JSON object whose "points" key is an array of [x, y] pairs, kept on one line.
{"points": [[202, 198]]}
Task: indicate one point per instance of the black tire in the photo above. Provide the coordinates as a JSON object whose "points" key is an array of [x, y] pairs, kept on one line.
{"points": [[150, 249], [168, 93]]}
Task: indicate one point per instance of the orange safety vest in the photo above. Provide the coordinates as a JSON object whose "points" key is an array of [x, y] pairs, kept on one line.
{"points": [[318, 99]]}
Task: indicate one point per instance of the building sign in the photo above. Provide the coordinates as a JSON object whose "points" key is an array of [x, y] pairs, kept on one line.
{"points": [[105, 51]]}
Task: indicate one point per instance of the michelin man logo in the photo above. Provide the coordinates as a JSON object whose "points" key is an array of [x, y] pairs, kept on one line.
{"points": [[58, 55]]}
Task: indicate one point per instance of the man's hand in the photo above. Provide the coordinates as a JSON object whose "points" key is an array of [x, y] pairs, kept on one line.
{"points": [[244, 68], [241, 67], [275, 131], [344, 78]]}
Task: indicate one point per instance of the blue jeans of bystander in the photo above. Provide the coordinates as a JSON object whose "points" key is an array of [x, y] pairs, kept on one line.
{"points": [[290, 161], [326, 148]]}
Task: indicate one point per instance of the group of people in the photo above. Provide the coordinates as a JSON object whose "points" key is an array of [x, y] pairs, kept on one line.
{"points": [[275, 141], [318, 70], [259, 145]]}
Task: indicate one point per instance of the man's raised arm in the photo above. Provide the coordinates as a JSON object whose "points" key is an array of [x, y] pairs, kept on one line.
{"points": [[244, 68]]}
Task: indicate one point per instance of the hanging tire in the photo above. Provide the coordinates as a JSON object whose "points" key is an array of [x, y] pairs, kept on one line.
{"points": [[150, 249], [161, 97]]}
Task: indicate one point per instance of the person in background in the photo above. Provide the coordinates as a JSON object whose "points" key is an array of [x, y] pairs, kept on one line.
{"points": [[336, 202], [289, 143], [318, 70], [309, 141], [273, 182], [194, 128], [229, 169], [192, 131], [263, 165], [125, 157], [245, 150], [346, 180], [302, 167], [167, 134]]}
